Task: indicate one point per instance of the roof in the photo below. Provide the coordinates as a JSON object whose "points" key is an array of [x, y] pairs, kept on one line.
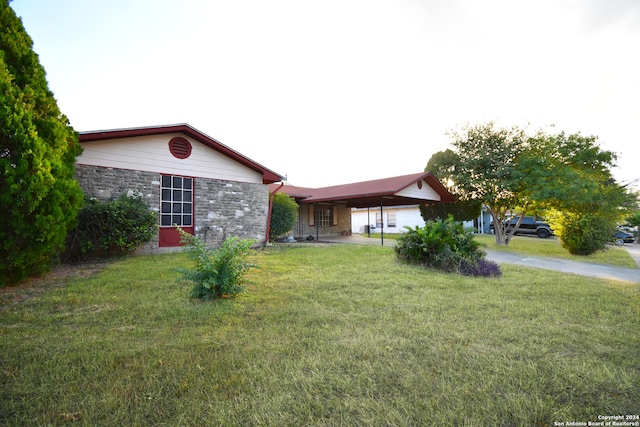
{"points": [[394, 191], [268, 176]]}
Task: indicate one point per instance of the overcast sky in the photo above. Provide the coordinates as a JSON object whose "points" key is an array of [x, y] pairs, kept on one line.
{"points": [[337, 91]]}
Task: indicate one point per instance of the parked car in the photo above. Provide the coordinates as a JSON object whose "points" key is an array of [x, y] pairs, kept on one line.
{"points": [[530, 225], [621, 237]]}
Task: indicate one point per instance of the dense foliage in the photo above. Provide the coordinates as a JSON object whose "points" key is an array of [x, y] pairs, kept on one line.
{"points": [[571, 176], [583, 234], [218, 272], [112, 228], [512, 172], [38, 148], [284, 213], [443, 165], [444, 245]]}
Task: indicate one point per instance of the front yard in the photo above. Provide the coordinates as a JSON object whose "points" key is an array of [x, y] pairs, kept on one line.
{"points": [[326, 335]]}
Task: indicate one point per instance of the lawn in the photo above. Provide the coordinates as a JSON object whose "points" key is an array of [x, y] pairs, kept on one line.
{"points": [[325, 335]]}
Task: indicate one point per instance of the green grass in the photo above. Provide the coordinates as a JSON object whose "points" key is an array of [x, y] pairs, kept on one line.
{"points": [[326, 335], [552, 248]]}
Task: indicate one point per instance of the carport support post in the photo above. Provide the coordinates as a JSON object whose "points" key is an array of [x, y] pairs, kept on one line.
{"points": [[369, 221], [381, 224]]}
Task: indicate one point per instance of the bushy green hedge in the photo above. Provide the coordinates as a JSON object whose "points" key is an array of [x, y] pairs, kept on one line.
{"points": [[584, 234], [444, 245], [284, 213], [217, 272], [111, 228]]}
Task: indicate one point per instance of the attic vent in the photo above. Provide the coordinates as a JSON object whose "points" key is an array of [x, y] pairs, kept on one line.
{"points": [[180, 148]]}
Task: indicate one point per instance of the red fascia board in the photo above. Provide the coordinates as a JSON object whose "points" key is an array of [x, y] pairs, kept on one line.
{"points": [[268, 176]]}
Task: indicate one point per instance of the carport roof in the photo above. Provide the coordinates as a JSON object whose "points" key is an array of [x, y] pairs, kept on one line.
{"points": [[417, 188]]}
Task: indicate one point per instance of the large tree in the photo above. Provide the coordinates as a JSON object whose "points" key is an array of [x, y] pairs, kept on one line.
{"points": [[38, 194], [571, 175], [443, 165], [486, 170]]}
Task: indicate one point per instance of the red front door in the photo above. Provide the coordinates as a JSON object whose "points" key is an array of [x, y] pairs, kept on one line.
{"points": [[176, 208]]}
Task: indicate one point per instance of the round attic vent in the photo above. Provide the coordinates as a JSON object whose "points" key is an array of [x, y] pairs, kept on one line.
{"points": [[180, 148], [419, 185]]}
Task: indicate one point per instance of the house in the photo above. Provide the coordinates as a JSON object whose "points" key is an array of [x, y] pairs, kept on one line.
{"points": [[187, 177], [328, 211], [396, 218]]}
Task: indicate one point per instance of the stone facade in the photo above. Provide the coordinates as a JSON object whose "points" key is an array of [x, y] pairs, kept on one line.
{"points": [[222, 208], [339, 212]]}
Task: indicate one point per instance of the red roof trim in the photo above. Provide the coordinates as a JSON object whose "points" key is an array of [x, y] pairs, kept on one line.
{"points": [[360, 194], [268, 176]]}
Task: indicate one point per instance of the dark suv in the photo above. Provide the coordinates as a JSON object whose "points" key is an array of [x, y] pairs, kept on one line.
{"points": [[530, 225]]}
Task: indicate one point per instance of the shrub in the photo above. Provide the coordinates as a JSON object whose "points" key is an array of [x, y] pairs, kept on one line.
{"points": [[217, 272], [444, 245], [284, 213], [111, 228], [584, 234]]}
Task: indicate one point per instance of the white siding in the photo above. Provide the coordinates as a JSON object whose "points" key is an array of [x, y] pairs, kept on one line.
{"points": [[425, 193], [151, 154], [405, 216]]}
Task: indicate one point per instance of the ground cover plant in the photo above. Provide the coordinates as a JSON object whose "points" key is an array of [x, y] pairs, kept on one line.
{"points": [[327, 335]]}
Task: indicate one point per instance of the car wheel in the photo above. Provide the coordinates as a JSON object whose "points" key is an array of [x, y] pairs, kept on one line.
{"points": [[543, 233], [619, 242]]}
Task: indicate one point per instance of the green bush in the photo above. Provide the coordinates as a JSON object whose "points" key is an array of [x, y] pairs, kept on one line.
{"points": [[217, 272], [284, 213], [444, 245], [38, 147], [111, 228], [584, 234]]}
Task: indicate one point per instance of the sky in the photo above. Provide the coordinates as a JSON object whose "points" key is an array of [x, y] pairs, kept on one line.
{"points": [[338, 91]]}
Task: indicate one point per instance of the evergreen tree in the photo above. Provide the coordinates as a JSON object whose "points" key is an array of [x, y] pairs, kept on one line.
{"points": [[38, 147]]}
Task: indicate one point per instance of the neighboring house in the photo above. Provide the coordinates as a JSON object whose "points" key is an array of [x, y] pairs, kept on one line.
{"points": [[187, 177], [328, 211], [396, 218]]}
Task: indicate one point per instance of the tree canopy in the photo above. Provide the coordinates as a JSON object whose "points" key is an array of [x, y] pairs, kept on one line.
{"points": [[512, 172], [38, 149], [442, 164]]}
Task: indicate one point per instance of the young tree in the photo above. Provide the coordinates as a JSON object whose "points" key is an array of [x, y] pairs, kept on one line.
{"points": [[486, 171], [38, 149], [443, 165]]}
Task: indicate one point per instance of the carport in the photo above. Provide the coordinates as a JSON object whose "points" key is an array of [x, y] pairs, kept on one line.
{"points": [[417, 188]]}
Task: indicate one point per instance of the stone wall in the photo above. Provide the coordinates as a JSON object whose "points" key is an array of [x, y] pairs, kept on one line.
{"points": [[302, 229], [222, 208]]}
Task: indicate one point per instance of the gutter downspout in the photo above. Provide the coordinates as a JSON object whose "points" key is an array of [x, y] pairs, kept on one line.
{"points": [[266, 241]]}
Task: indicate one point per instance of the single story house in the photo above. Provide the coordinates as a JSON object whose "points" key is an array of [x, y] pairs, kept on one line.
{"points": [[187, 177], [327, 211], [394, 219]]}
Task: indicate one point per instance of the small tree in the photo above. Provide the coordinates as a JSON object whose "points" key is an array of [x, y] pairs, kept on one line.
{"points": [[38, 149], [284, 214]]}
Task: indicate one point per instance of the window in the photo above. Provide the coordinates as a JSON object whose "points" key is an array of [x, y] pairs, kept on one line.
{"points": [[391, 218], [176, 201], [324, 217], [378, 220]]}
